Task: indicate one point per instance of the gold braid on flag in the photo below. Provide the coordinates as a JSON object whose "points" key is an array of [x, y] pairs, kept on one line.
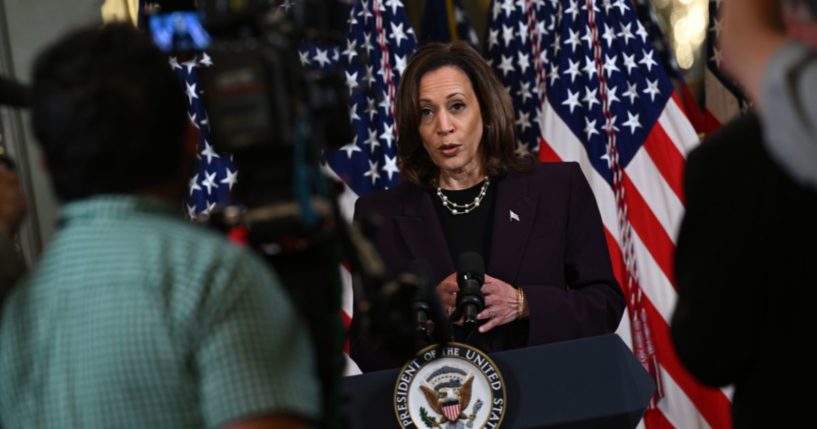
{"points": [[452, 20], [120, 10]]}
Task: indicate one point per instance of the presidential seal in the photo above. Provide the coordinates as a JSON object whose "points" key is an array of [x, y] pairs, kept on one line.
{"points": [[451, 387]]}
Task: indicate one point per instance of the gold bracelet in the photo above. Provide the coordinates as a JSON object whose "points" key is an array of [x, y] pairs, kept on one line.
{"points": [[521, 303]]}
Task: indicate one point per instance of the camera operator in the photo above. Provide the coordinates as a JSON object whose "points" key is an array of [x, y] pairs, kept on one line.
{"points": [[135, 317]]}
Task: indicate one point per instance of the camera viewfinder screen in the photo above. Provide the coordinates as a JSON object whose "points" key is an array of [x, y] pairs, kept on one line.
{"points": [[179, 32]]}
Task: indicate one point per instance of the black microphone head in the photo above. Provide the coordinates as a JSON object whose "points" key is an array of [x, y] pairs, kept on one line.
{"points": [[13, 93], [427, 306], [470, 265], [421, 269], [419, 273], [470, 277]]}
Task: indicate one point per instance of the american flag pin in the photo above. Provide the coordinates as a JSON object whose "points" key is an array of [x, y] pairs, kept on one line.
{"points": [[514, 216]]}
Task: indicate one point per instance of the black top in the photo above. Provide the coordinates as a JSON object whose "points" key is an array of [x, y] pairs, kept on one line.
{"points": [[470, 231]]}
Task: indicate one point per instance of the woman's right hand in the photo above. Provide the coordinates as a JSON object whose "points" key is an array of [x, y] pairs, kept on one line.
{"points": [[447, 290]]}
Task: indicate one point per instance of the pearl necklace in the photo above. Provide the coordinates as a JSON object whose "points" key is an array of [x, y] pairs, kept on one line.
{"points": [[458, 209]]}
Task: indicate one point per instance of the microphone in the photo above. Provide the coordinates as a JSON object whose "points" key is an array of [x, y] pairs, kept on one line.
{"points": [[13, 93], [470, 277], [421, 270], [428, 308]]}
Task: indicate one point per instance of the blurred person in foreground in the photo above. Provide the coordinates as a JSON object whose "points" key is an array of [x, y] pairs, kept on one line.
{"points": [[548, 275], [746, 283], [135, 317]]}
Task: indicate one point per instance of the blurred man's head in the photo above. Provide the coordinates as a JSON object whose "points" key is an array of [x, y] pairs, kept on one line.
{"points": [[108, 112]]}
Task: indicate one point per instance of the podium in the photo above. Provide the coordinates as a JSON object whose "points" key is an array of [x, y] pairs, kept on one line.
{"points": [[586, 383]]}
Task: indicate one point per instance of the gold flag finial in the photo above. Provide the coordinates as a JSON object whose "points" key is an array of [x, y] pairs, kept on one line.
{"points": [[120, 10]]}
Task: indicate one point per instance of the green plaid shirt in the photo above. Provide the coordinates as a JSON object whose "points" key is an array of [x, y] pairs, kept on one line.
{"points": [[136, 318]]}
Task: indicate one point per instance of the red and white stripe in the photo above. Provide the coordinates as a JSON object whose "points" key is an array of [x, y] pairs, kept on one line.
{"points": [[346, 203]]}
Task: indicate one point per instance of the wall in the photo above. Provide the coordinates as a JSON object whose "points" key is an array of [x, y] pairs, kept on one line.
{"points": [[26, 26]]}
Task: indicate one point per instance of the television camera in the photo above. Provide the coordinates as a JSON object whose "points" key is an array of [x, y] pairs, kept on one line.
{"points": [[275, 117]]}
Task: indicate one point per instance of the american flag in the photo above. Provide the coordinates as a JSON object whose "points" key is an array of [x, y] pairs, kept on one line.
{"points": [[446, 20], [587, 87], [215, 175], [378, 44], [724, 100], [646, 15]]}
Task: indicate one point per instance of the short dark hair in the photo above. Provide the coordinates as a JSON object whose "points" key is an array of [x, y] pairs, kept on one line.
{"points": [[497, 148], [108, 112]]}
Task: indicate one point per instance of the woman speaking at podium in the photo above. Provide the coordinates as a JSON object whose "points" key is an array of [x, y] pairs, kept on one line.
{"points": [[548, 275]]}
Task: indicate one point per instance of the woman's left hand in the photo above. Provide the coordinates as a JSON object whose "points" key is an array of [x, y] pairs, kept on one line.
{"points": [[501, 304]]}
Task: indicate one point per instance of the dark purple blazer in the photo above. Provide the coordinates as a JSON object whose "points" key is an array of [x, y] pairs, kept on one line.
{"points": [[547, 238]]}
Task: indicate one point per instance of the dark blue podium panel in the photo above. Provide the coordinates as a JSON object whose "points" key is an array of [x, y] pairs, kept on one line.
{"points": [[588, 383]]}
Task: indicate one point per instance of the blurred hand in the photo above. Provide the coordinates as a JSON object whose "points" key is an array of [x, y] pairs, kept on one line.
{"points": [[501, 303], [13, 206]]}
